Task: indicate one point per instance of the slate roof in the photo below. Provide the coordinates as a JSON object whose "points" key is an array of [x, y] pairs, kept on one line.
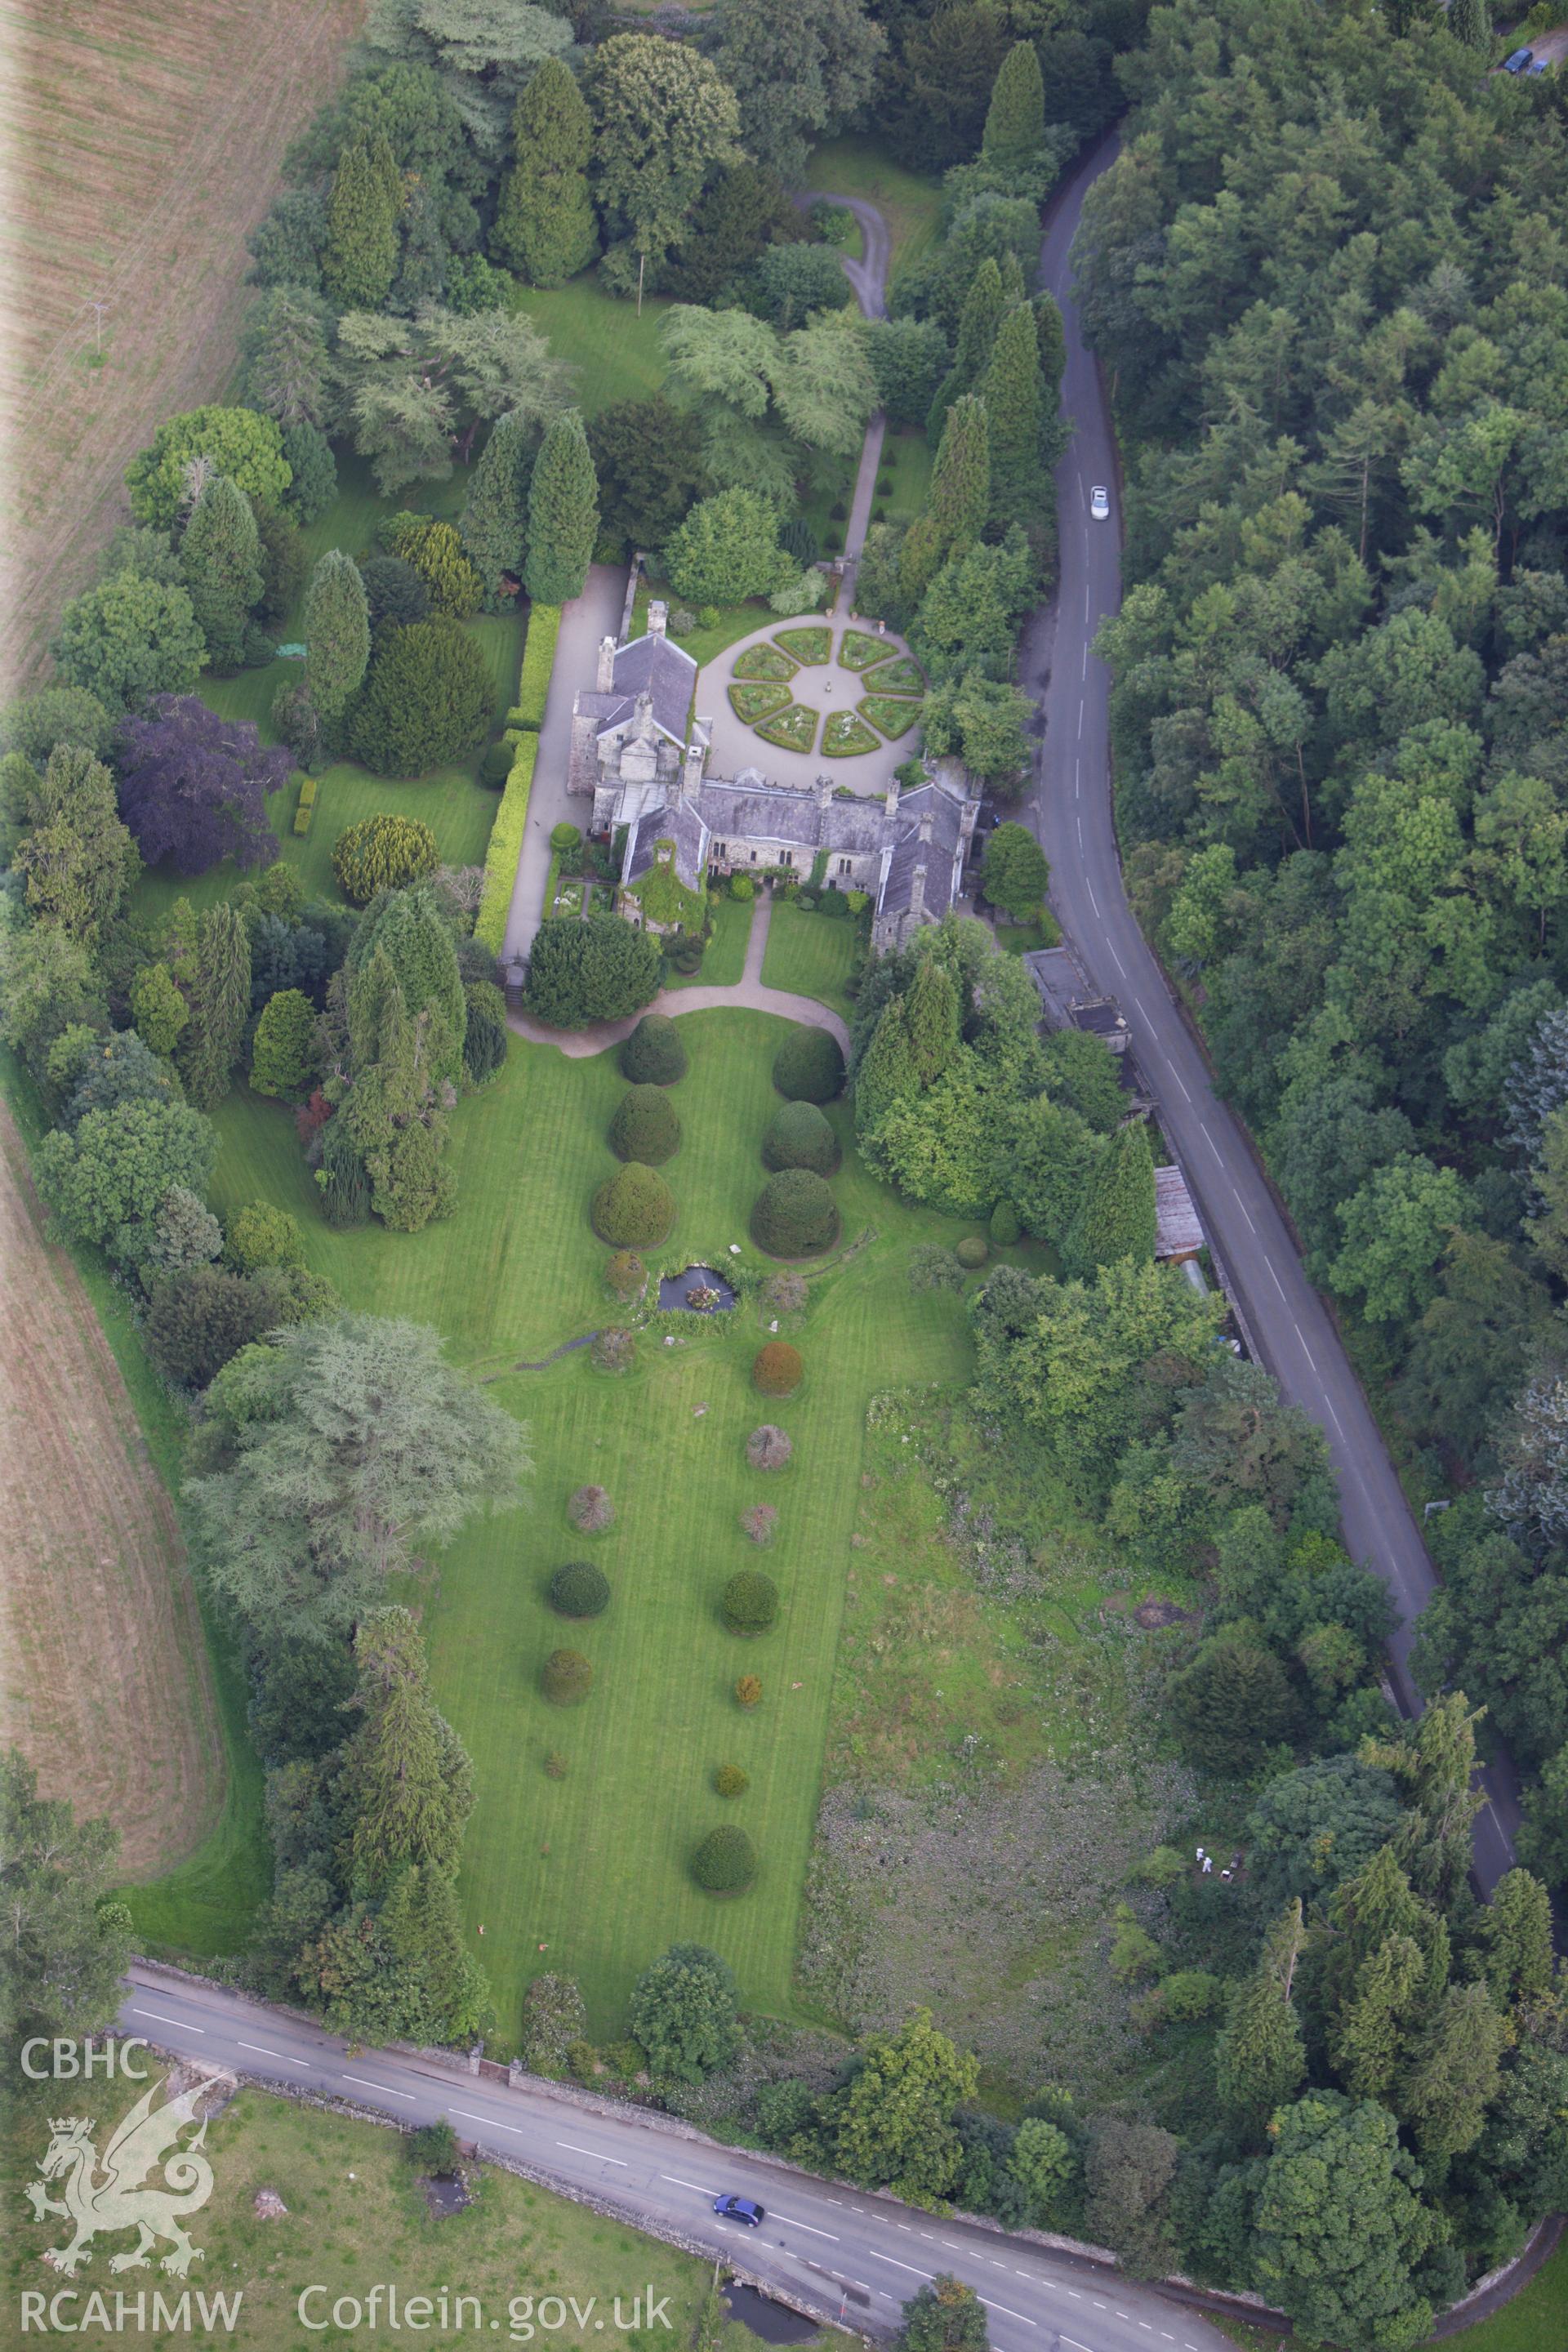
{"points": [[939, 855], [650, 665], [680, 823], [744, 810]]}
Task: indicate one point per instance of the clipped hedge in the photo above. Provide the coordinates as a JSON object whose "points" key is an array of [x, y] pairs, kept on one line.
{"points": [[645, 1126], [725, 1862], [800, 1137], [505, 849], [795, 1215], [538, 660], [750, 1603], [307, 808], [653, 1055], [634, 1209], [579, 1590], [809, 1066], [778, 1370], [568, 1677]]}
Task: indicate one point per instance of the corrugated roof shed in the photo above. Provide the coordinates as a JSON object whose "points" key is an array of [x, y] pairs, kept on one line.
{"points": [[1178, 1232]]}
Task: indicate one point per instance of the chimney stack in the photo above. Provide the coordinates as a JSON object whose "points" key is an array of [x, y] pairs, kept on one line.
{"points": [[824, 792], [925, 828], [692, 765], [918, 894], [605, 680], [657, 614], [892, 796]]}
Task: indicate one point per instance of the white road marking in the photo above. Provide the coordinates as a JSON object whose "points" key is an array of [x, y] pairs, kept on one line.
{"points": [[1084, 671], [1116, 960], [1002, 2307], [1333, 1416], [1208, 1136], [1175, 1074], [675, 2177], [282, 2056], [1080, 832], [385, 2088], [1274, 1277], [1242, 1206], [178, 2022], [1093, 901], [1080, 722], [775, 2215], [491, 2124], [592, 2152], [895, 2264], [953, 2247]]}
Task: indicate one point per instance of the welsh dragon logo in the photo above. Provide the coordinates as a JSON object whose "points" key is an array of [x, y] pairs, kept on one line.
{"points": [[108, 2193]]}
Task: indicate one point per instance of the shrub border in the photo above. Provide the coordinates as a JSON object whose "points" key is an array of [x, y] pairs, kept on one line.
{"points": [[506, 848]]}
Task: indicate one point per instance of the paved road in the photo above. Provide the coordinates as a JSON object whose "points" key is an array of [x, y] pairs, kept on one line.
{"points": [[818, 2239], [1072, 813], [586, 622]]}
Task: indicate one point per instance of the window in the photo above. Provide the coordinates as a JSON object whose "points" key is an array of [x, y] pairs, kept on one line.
{"points": [[754, 857], [721, 849], [847, 866], [786, 858]]}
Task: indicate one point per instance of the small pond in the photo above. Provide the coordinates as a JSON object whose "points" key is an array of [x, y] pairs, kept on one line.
{"points": [[677, 1289]]}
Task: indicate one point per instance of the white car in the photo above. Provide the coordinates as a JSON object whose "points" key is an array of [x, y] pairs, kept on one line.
{"points": [[1099, 502]]}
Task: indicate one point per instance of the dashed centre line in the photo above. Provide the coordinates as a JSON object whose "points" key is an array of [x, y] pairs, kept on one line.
{"points": [[385, 2088], [592, 2152]]}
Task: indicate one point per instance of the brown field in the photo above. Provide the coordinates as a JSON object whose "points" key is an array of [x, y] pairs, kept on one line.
{"points": [[141, 141], [104, 1683]]}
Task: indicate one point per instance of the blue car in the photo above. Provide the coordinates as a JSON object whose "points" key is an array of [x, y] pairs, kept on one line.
{"points": [[739, 2209], [1520, 62]]}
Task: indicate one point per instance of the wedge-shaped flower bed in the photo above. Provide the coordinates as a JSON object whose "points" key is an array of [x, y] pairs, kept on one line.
{"points": [[845, 735], [753, 703], [900, 677], [805, 645], [762, 661], [794, 728], [856, 650], [895, 714]]}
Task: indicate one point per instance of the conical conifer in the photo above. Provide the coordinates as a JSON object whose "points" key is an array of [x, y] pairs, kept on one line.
{"points": [[545, 220], [1016, 119], [562, 513], [221, 557]]}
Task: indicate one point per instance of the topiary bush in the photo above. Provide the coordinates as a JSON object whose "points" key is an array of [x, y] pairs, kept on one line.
{"points": [[614, 1349], [627, 1275], [579, 1590], [634, 1209], [645, 1126], [565, 837], [653, 1055], [796, 1216], [591, 1511], [759, 1523], [568, 1677], [777, 1370], [751, 1602], [749, 1690], [382, 853], [809, 1066], [1006, 1228], [731, 1781], [769, 1447], [972, 1251], [800, 1137], [725, 1862]]}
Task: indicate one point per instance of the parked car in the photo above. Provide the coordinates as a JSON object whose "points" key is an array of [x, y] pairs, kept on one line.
{"points": [[1521, 62], [1099, 502], [739, 2209]]}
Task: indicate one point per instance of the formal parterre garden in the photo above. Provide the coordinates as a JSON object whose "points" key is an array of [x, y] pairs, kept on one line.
{"points": [[890, 706]]}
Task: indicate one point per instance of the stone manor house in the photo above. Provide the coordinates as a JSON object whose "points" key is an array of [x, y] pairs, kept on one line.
{"points": [[637, 748]]}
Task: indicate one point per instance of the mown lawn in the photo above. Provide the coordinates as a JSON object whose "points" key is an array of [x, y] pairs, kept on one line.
{"points": [[724, 957], [910, 206], [1535, 2319], [616, 352], [812, 955], [593, 1867], [908, 454]]}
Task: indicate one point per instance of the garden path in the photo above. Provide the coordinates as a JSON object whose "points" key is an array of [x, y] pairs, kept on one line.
{"points": [[585, 623], [747, 993]]}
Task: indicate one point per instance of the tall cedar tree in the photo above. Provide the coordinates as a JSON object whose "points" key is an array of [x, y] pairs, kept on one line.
{"points": [[286, 357], [494, 525], [220, 1005], [1259, 2056], [409, 1778], [544, 226], [1016, 119], [1014, 414], [1051, 336], [985, 306], [79, 859], [337, 633], [931, 1013], [562, 513], [960, 499], [1116, 1219], [359, 260], [221, 557]]}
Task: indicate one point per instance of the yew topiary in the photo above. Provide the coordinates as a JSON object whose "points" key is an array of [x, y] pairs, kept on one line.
{"points": [[725, 1862], [645, 1126], [1006, 1228], [635, 1208], [579, 1590], [749, 1690], [627, 1275], [796, 1216], [568, 1677], [653, 1055], [768, 1448], [809, 1066], [591, 1510], [750, 1603], [382, 853], [778, 1370], [800, 1137], [972, 1251], [731, 1781]]}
